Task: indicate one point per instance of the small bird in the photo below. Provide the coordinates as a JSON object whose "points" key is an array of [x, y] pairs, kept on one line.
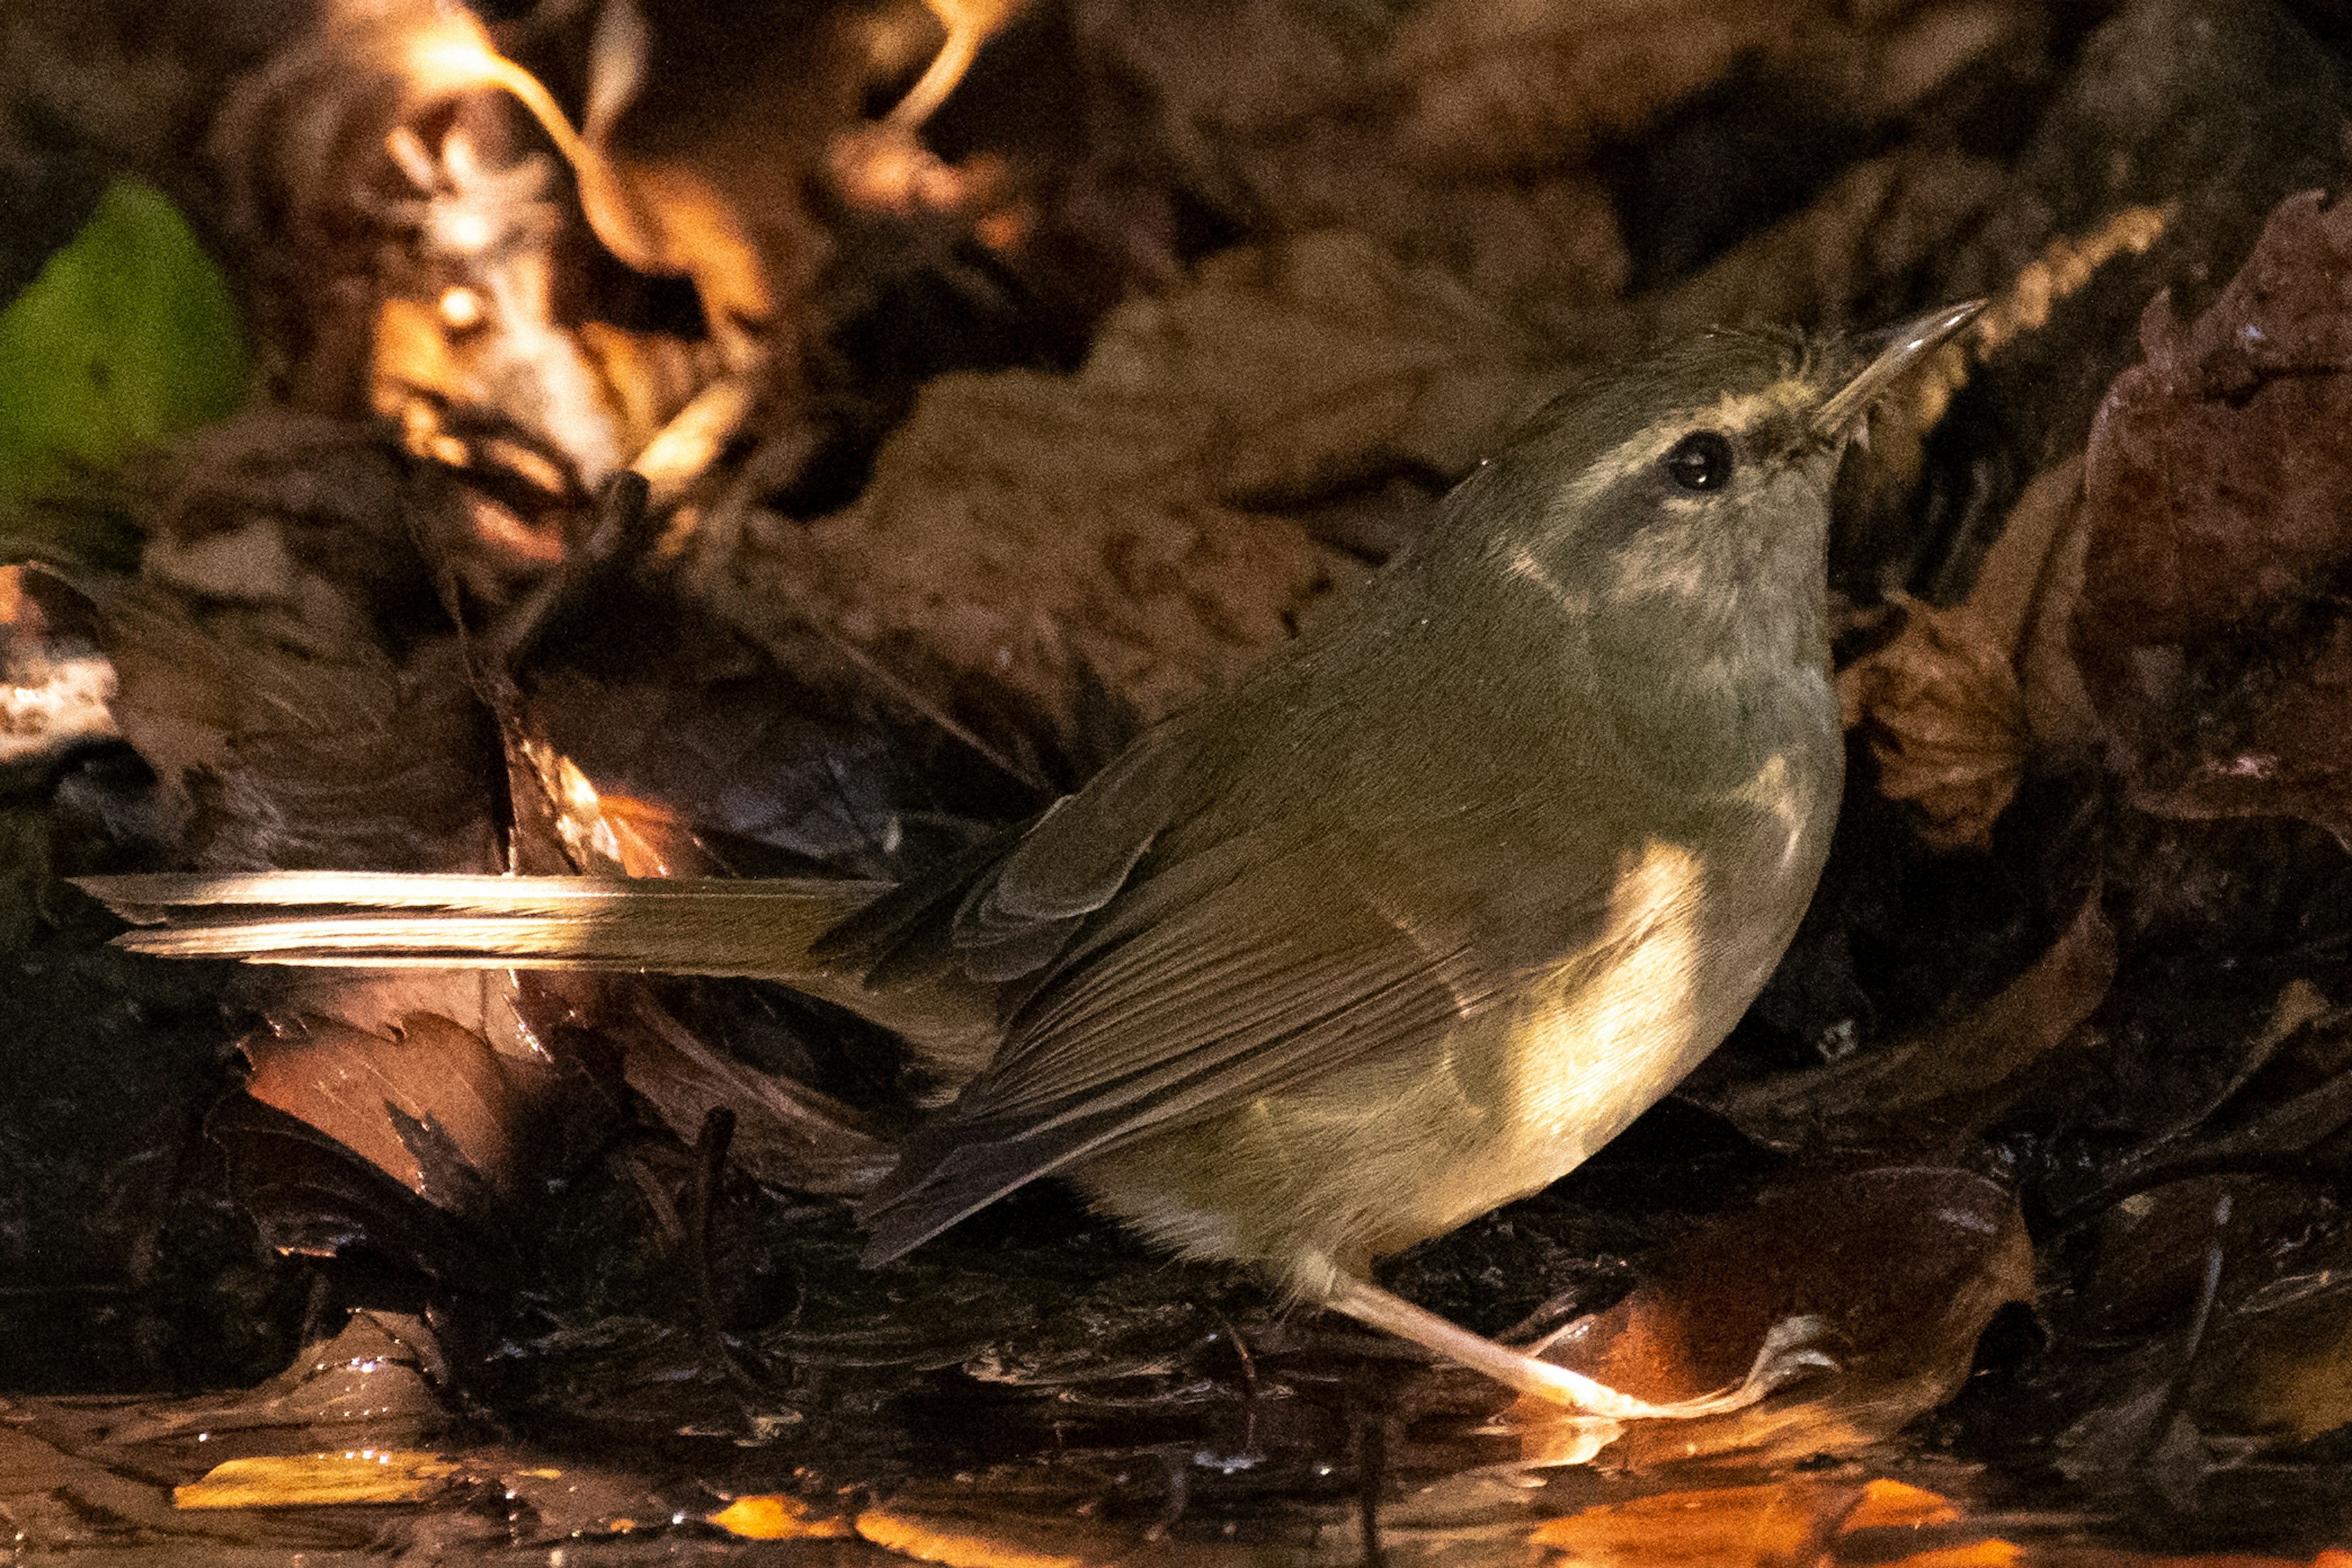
{"points": [[1402, 926]]}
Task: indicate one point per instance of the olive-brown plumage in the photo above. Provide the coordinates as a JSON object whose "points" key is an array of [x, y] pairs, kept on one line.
{"points": [[1405, 926]]}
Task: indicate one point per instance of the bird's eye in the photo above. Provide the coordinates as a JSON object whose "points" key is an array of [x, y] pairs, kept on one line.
{"points": [[1700, 461]]}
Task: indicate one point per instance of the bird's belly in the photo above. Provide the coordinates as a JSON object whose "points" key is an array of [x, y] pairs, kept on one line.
{"points": [[1388, 1150]]}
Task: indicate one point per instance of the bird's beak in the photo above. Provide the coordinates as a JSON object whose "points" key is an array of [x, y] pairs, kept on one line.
{"points": [[1892, 352]]}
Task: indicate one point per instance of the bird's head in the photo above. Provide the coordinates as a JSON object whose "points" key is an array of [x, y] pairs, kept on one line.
{"points": [[1690, 486]]}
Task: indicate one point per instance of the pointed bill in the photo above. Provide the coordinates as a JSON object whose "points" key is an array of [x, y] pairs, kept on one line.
{"points": [[1904, 346]]}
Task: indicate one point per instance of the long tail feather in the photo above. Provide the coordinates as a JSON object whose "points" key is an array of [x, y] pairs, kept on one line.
{"points": [[759, 929]]}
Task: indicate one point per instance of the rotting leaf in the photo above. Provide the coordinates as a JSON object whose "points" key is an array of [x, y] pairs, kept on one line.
{"points": [[786, 1134], [2213, 488], [337, 756], [1471, 138], [55, 1501], [1719, 1527], [1906, 1266], [313, 1196], [2285, 1375], [372, 1383]]}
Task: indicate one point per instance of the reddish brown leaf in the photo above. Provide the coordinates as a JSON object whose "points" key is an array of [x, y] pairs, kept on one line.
{"points": [[346, 1083], [1906, 1266]]}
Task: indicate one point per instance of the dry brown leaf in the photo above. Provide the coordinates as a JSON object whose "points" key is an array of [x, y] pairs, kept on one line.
{"points": [[1947, 724], [333, 758], [1290, 119], [1955, 704], [786, 1134], [347, 1083], [1494, 83], [2207, 630], [1920, 1091], [1021, 525], [1906, 1266]]}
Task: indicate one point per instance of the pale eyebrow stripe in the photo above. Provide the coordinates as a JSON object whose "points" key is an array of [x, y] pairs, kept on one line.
{"points": [[1731, 413]]}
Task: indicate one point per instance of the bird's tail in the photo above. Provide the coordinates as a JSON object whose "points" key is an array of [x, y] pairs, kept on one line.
{"points": [[755, 928], [761, 928]]}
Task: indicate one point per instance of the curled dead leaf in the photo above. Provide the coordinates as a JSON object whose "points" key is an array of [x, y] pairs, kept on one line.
{"points": [[1956, 704], [1947, 724]]}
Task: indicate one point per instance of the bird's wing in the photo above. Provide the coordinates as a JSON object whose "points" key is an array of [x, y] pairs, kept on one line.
{"points": [[1219, 973], [1005, 910]]}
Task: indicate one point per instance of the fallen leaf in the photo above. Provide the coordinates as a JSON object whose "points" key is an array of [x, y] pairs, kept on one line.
{"points": [[319, 1480], [1946, 723], [1734, 1527], [56, 1503], [770, 1516], [331, 756], [1904, 1265], [1993, 1553], [1876, 222], [2211, 485], [786, 1133], [1513, 85], [961, 1543], [1897, 1505], [352, 1086], [1958, 702], [2213, 491], [1941, 1084], [371, 1385], [128, 335], [1021, 526], [313, 1196]]}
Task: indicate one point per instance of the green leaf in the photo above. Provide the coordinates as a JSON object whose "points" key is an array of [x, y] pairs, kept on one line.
{"points": [[128, 335]]}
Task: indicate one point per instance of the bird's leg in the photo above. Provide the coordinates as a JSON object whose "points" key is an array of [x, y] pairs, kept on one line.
{"points": [[1785, 1353]]}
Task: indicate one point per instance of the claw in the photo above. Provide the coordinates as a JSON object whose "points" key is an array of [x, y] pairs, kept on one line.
{"points": [[1786, 1354]]}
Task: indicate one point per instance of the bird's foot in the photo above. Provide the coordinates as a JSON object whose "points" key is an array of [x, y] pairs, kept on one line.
{"points": [[1788, 1353]]}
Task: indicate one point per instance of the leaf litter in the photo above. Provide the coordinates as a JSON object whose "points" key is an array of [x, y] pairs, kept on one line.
{"points": [[2042, 1120]]}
